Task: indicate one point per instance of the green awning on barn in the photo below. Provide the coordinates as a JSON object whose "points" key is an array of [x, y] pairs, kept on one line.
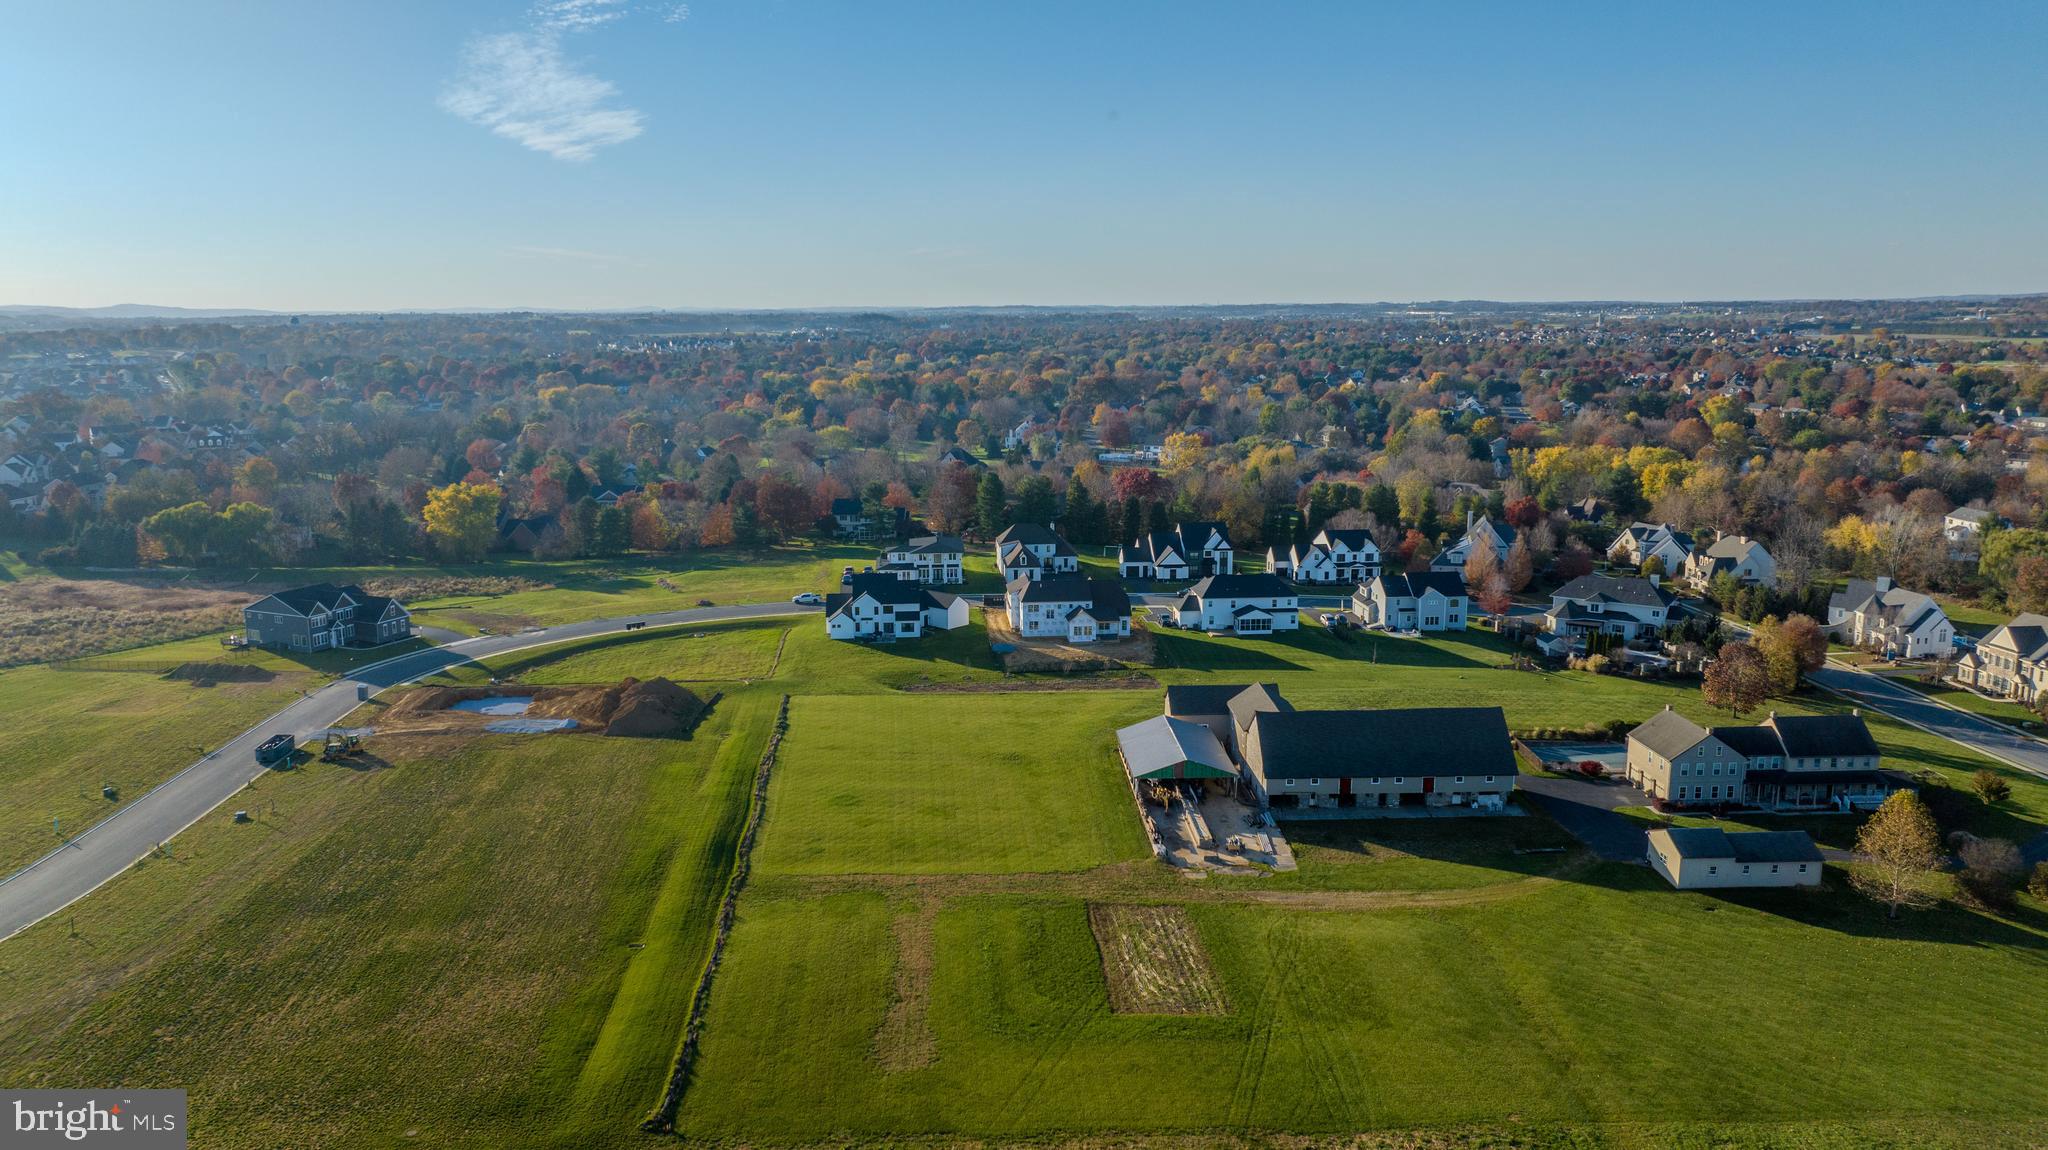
{"points": [[1164, 748]]}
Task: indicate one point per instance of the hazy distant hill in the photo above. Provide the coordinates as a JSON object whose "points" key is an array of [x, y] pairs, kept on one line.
{"points": [[130, 311]]}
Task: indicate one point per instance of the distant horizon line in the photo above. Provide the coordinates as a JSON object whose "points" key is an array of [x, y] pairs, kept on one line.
{"points": [[146, 311]]}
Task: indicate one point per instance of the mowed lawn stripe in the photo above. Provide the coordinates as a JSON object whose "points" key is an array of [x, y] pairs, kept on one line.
{"points": [[1585, 1005], [952, 784]]}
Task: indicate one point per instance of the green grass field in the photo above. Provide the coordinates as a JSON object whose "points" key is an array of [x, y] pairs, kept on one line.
{"points": [[65, 734], [492, 941], [905, 784], [2003, 710], [477, 942]]}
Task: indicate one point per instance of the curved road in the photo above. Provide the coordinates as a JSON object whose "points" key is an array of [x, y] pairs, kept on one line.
{"points": [[84, 863]]}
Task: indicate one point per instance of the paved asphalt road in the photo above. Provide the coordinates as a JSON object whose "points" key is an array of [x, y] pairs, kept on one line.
{"points": [[103, 851], [1994, 739]]}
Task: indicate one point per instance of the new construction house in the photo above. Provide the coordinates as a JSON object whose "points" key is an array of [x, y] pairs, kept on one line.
{"points": [[1788, 762]]}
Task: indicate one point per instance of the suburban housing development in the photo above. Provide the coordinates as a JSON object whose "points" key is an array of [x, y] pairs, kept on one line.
{"points": [[1640, 542]]}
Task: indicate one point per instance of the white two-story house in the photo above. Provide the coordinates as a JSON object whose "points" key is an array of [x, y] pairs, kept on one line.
{"points": [[1032, 551], [1640, 542], [1068, 607], [1631, 608], [883, 607], [1189, 550], [1240, 605], [1416, 601], [1736, 555], [1340, 557], [934, 560]]}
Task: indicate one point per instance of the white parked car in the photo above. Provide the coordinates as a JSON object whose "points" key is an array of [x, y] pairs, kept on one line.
{"points": [[808, 599], [1327, 619]]}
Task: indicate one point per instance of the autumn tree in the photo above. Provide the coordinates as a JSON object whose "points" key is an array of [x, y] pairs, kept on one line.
{"points": [[1480, 562], [1738, 679], [461, 520], [1520, 567], [183, 531], [781, 508], [1901, 849], [949, 505]]}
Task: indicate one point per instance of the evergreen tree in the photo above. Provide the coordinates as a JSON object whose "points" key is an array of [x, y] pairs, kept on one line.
{"points": [[1133, 521], [1383, 505], [1080, 521], [1156, 518], [612, 534], [991, 509], [1036, 501]]}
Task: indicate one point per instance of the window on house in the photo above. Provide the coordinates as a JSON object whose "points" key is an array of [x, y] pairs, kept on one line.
{"points": [[1315, 782], [1398, 779], [1713, 870], [1745, 868]]}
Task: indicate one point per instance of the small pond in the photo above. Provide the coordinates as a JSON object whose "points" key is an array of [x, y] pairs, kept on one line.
{"points": [[498, 705]]}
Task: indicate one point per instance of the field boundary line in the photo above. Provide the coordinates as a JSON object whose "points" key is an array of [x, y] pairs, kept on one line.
{"points": [[663, 1119]]}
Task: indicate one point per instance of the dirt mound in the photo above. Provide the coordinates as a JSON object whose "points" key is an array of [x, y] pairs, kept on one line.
{"points": [[220, 673], [654, 709]]}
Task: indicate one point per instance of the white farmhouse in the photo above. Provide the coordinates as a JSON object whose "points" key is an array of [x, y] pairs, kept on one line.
{"points": [[1189, 550], [1032, 551]]}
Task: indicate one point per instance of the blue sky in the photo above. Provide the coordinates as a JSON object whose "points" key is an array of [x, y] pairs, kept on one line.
{"points": [[763, 153]]}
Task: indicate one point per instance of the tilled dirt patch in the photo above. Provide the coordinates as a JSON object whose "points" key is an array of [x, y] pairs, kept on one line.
{"points": [[1154, 961]]}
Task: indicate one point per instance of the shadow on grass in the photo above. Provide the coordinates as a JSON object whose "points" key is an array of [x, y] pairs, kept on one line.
{"points": [[1521, 847], [1838, 907], [1189, 653]]}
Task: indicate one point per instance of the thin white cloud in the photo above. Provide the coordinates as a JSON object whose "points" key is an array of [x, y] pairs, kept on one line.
{"points": [[523, 87], [569, 15], [520, 86]]}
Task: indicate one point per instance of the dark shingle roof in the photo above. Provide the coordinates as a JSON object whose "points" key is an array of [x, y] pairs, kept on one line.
{"points": [[1406, 741], [1634, 592], [1240, 587], [1806, 736], [1449, 584], [1208, 698], [1743, 846], [1036, 534], [315, 597]]}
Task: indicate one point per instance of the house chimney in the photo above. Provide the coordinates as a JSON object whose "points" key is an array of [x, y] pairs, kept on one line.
{"points": [[1656, 580], [1856, 711], [1884, 583], [1468, 519]]}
